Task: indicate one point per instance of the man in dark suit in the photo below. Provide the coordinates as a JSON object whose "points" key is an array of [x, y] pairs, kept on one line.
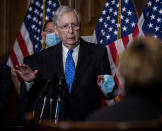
{"points": [[5, 89], [90, 61]]}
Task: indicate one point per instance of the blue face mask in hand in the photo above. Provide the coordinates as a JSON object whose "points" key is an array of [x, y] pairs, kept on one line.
{"points": [[52, 39], [108, 85]]}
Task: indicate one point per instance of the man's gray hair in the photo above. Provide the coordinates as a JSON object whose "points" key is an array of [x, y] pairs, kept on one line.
{"points": [[64, 9]]}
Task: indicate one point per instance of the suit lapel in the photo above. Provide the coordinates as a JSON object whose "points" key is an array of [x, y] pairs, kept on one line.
{"points": [[83, 61], [59, 61]]}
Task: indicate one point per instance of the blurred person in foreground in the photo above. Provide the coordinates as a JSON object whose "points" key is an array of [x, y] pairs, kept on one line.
{"points": [[141, 70], [81, 95], [5, 90]]}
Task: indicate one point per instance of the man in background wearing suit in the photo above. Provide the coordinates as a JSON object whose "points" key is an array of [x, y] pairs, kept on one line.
{"points": [[80, 93], [48, 34]]}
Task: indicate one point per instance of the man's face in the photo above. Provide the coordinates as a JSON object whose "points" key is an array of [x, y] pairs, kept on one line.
{"points": [[68, 29], [50, 28]]}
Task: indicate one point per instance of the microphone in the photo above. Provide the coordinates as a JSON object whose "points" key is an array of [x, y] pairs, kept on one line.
{"points": [[44, 104], [60, 86], [50, 115], [60, 93], [40, 95]]}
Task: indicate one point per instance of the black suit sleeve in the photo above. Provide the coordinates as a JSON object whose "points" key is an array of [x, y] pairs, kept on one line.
{"points": [[105, 64], [27, 98], [105, 69], [34, 63]]}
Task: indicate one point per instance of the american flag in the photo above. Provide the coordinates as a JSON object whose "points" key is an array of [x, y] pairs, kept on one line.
{"points": [[107, 30], [150, 22], [29, 38]]}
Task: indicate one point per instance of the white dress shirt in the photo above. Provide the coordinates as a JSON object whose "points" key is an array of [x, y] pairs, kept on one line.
{"points": [[74, 54]]}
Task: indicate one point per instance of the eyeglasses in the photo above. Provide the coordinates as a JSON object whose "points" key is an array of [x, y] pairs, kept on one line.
{"points": [[67, 27], [48, 31]]}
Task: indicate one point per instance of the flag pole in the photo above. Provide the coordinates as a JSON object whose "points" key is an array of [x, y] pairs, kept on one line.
{"points": [[43, 42], [116, 99], [136, 9], [59, 3], [118, 34]]}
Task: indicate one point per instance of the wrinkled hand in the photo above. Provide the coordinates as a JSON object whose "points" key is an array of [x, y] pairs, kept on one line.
{"points": [[25, 72], [100, 80], [107, 83]]}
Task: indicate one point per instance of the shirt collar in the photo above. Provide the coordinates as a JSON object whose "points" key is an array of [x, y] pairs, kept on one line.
{"points": [[75, 50]]}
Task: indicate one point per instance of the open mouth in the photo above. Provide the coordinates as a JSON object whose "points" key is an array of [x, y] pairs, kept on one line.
{"points": [[71, 38]]}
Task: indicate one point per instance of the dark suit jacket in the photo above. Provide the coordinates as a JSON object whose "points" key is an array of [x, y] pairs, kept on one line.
{"points": [[5, 88], [84, 96]]}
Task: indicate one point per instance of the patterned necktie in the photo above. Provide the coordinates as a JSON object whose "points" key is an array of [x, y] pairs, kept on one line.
{"points": [[69, 70]]}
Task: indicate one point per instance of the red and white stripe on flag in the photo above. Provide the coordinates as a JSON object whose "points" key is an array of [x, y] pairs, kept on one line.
{"points": [[22, 47]]}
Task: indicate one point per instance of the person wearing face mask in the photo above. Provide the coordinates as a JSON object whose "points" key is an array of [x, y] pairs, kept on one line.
{"points": [[49, 36]]}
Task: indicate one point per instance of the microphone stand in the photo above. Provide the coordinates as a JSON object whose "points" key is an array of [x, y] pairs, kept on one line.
{"points": [[40, 95], [44, 104], [57, 110]]}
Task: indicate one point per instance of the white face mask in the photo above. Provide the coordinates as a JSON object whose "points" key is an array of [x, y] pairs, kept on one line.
{"points": [[52, 39]]}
